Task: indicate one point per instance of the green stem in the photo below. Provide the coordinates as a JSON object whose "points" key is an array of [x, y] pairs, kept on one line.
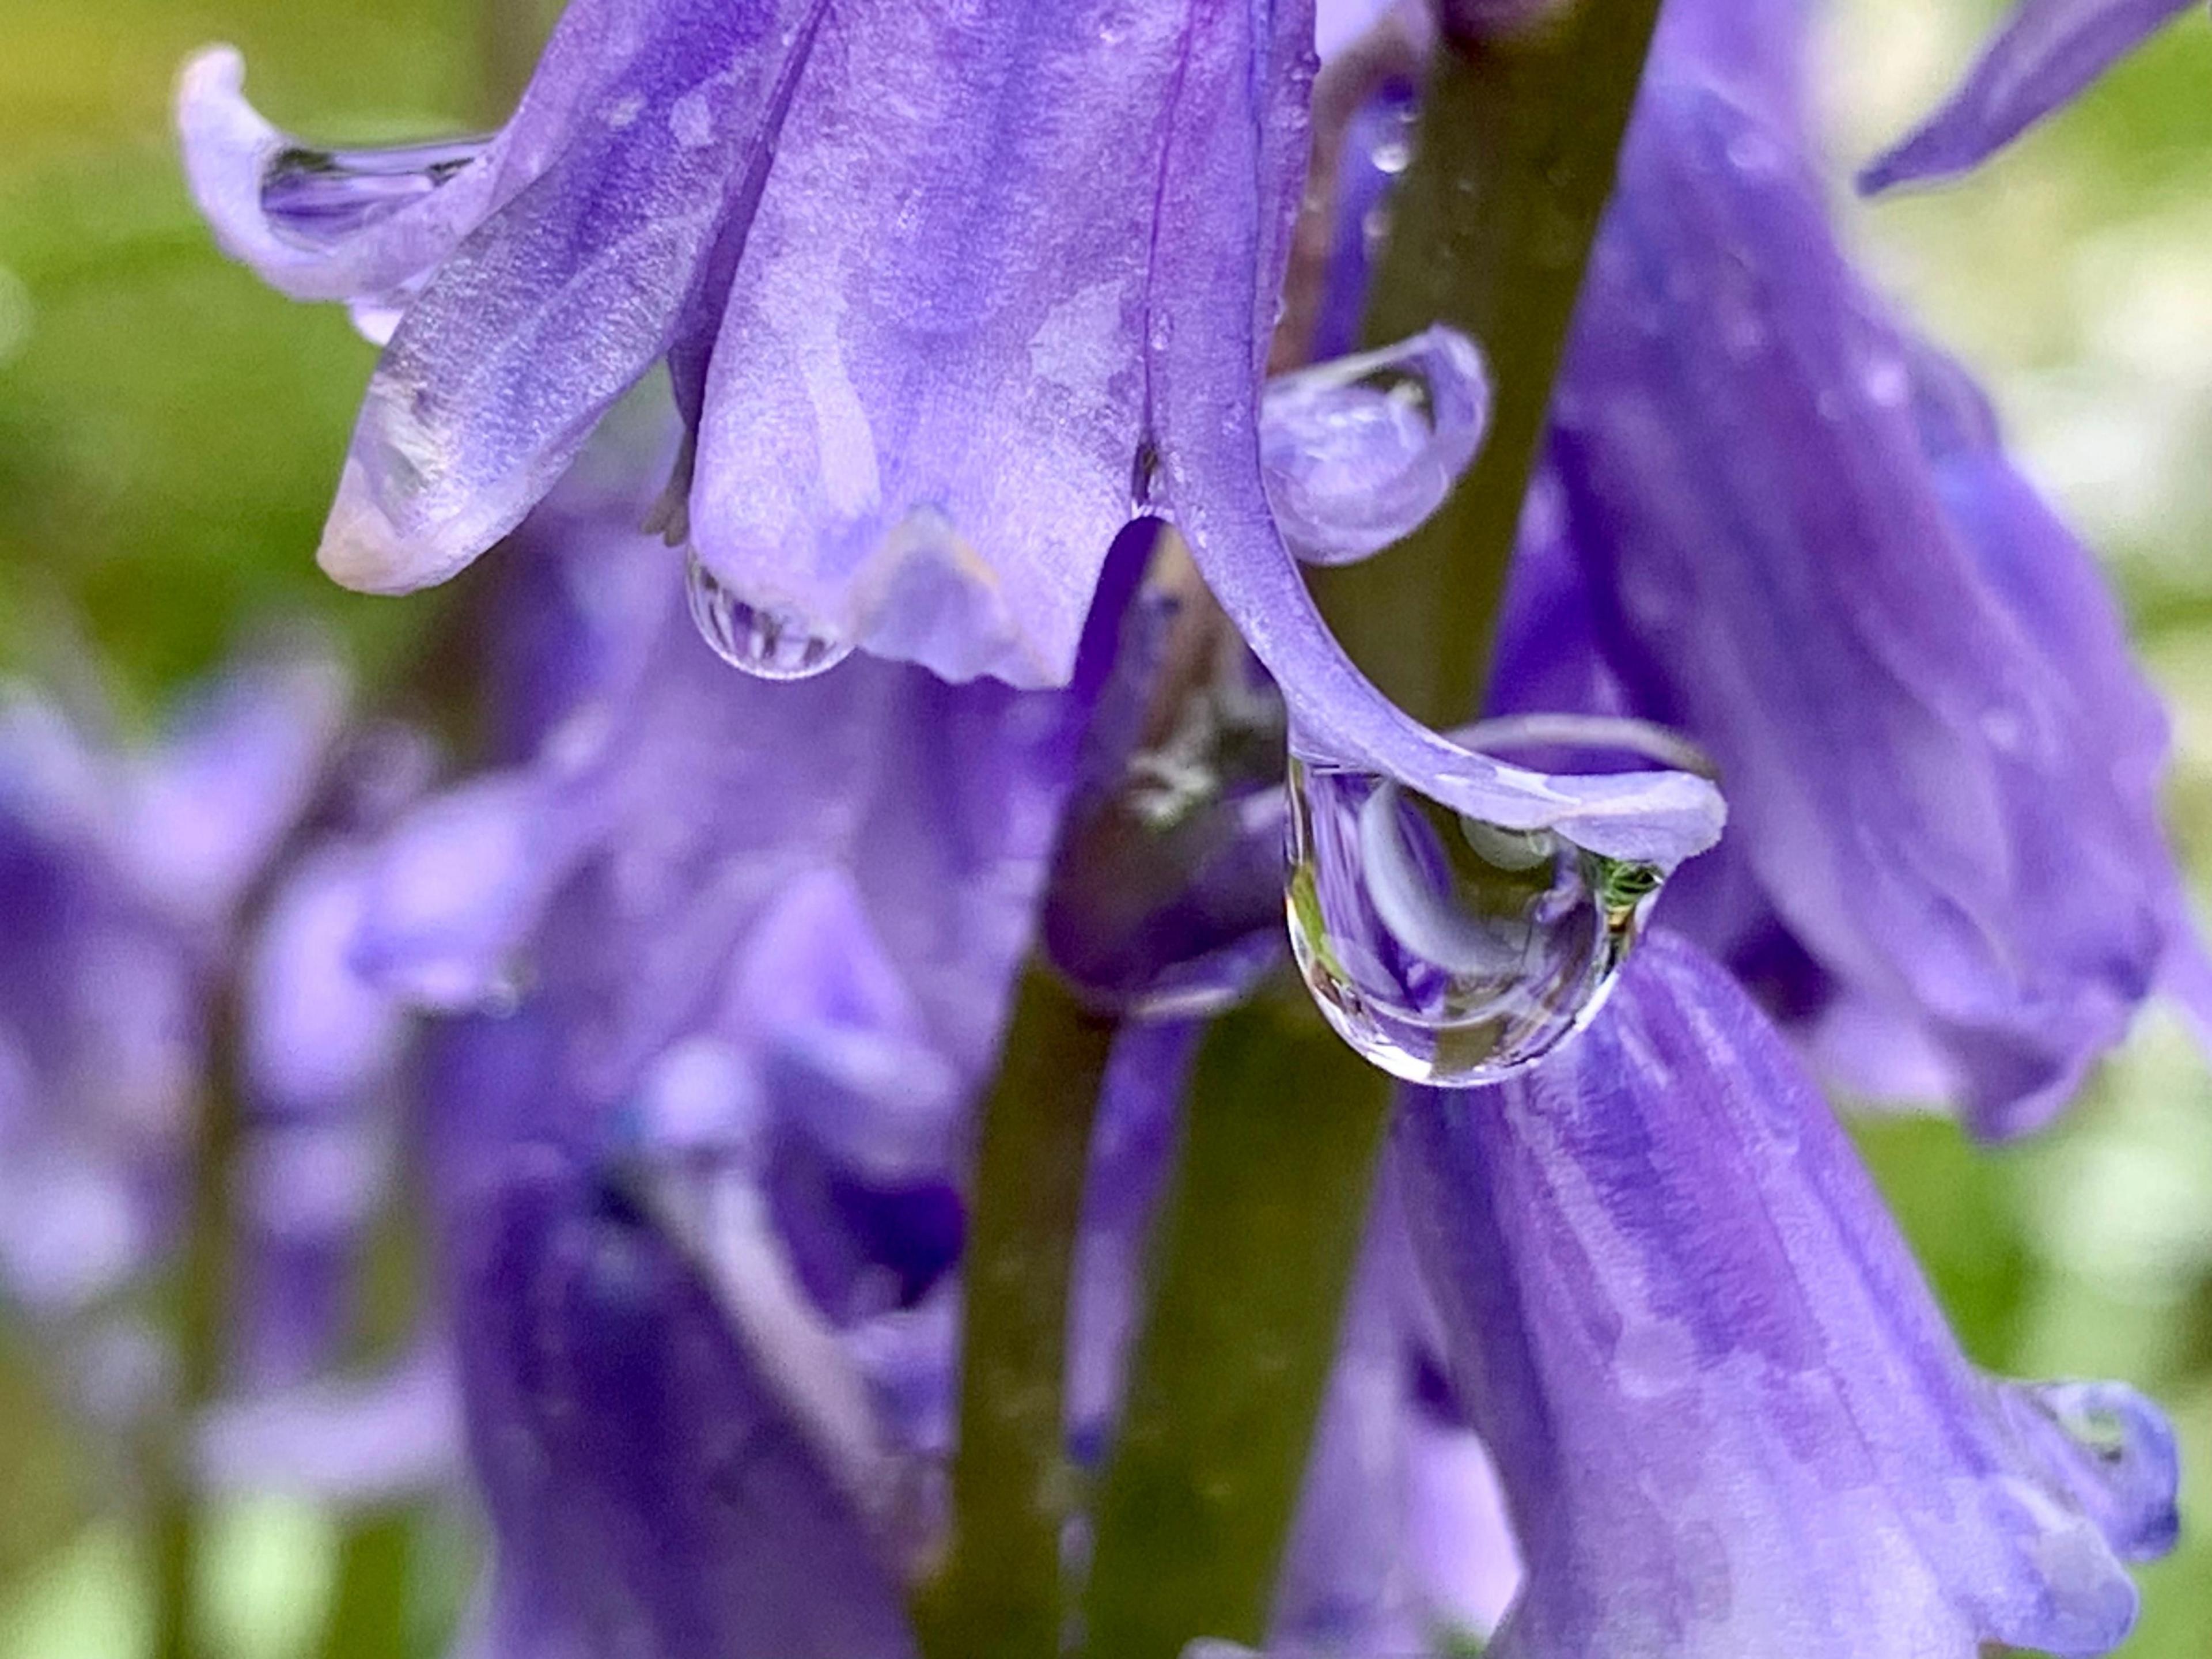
{"points": [[997, 1594], [202, 1325], [1491, 230], [368, 1613], [1284, 1125]]}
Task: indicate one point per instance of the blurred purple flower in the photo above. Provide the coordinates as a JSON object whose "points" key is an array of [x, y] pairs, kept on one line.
{"points": [[1728, 1416], [2043, 57], [121, 868], [1781, 523]]}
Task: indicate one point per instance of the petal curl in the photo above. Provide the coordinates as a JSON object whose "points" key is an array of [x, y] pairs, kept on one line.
{"points": [[417, 206], [1212, 298], [560, 302]]}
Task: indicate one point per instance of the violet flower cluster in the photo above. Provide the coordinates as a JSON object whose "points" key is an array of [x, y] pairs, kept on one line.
{"points": [[957, 304]]}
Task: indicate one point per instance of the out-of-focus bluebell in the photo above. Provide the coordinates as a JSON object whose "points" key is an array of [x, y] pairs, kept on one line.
{"points": [[1780, 522], [2043, 55], [1729, 1419], [121, 867]]}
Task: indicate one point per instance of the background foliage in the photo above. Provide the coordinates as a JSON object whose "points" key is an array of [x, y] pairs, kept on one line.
{"points": [[169, 433]]}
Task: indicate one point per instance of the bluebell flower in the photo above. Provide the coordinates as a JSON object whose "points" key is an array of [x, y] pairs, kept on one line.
{"points": [[155, 891], [2044, 55], [915, 415], [1728, 1416], [1779, 521], [121, 868]]}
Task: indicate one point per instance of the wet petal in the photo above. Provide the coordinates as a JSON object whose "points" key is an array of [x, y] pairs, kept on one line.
{"points": [[925, 404], [1801, 539], [1212, 298], [1729, 1418], [2045, 54], [560, 302], [367, 224]]}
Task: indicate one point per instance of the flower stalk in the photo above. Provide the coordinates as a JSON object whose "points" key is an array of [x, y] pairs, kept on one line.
{"points": [[1259, 1235], [1491, 229], [998, 1593]]}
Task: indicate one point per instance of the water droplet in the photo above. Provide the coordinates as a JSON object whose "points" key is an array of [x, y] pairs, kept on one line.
{"points": [[1144, 479], [316, 197], [1446, 950], [1887, 381], [1360, 450], [772, 644]]}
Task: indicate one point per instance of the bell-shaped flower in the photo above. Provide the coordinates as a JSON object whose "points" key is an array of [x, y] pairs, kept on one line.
{"points": [[1786, 527], [942, 299], [1729, 1419]]}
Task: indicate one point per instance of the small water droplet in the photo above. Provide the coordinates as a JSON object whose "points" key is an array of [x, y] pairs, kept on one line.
{"points": [[771, 644], [1886, 381], [1446, 950], [1360, 450], [1144, 478], [1754, 154]]}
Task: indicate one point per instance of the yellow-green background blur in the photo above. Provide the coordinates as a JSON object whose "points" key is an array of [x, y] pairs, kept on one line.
{"points": [[169, 431]]}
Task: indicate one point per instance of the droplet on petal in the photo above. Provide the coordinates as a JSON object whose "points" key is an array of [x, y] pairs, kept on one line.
{"points": [[768, 643], [1360, 450], [315, 197], [1449, 952]]}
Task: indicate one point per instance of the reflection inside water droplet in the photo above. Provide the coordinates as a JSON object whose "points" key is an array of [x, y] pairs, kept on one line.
{"points": [[315, 197], [1360, 450], [1446, 950], [772, 644]]}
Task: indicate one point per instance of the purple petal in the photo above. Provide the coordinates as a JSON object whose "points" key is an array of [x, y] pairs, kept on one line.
{"points": [[457, 888], [2044, 55], [1805, 549], [560, 302], [317, 1035], [1339, 23], [364, 225], [1132, 1151], [925, 401], [366, 1440], [647, 1491], [1729, 1418], [206, 808], [1212, 295]]}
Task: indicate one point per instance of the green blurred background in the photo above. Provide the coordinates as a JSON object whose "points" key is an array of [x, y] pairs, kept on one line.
{"points": [[169, 432]]}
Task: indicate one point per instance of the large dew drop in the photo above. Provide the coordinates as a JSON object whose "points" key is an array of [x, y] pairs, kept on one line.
{"points": [[1359, 452], [772, 644], [1449, 952]]}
